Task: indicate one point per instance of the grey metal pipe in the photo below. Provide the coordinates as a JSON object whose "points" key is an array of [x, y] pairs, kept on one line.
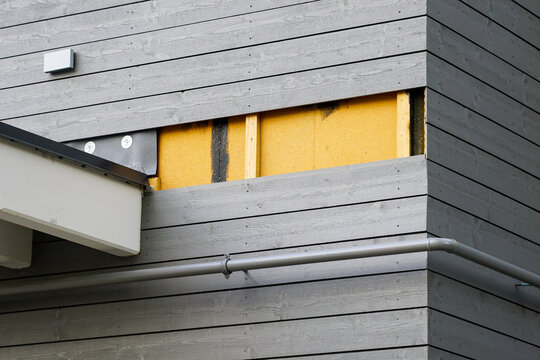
{"points": [[228, 266]]}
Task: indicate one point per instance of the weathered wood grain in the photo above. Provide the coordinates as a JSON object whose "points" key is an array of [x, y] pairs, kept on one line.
{"points": [[484, 32], [472, 341], [474, 198], [465, 302], [473, 128], [469, 161], [342, 185], [286, 230], [301, 337], [16, 12], [212, 309], [480, 63], [213, 36], [308, 87], [255, 278], [410, 353], [485, 100], [121, 21], [511, 16]]}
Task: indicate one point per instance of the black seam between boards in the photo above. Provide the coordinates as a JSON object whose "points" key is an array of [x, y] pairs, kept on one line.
{"points": [[158, 29], [399, 57], [288, 212], [499, 24], [202, 292], [482, 115], [487, 152], [477, 288], [230, 49], [524, 8], [310, 355], [482, 47], [74, 14], [481, 326], [480, 218], [450, 352], [220, 326], [483, 82], [207, 257], [484, 185]]}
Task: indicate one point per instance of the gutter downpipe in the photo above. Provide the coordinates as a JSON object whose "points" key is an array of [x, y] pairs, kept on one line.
{"points": [[228, 265]]}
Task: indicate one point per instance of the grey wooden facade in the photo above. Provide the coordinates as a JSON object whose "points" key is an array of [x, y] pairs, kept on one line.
{"points": [[147, 64]]}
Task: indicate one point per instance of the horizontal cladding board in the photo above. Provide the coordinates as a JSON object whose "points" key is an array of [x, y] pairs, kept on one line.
{"points": [[25, 11], [254, 278], [300, 337], [213, 309], [472, 197], [485, 100], [438, 354], [481, 30], [481, 308], [485, 66], [409, 353], [470, 340], [473, 128], [531, 5], [217, 35], [232, 66], [321, 226], [511, 16], [342, 185], [469, 161], [308, 87], [122, 21]]}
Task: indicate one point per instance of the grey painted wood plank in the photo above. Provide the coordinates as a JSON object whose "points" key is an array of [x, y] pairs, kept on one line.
{"points": [[465, 124], [447, 221], [217, 35], [511, 16], [328, 84], [212, 309], [485, 66], [484, 32], [532, 5], [466, 339], [243, 64], [486, 204], [16, 12], [255, 278], [465, 302], [438, 354], [412, 353], [485, 100], [476, 164], [302, 337], [335, 224], [121, 21], [342, 185]]}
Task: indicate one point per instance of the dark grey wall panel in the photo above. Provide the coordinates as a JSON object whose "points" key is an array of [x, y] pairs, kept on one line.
{"points": [[212, 309], [344, 185], [222, 34], [481, 308], [472, 341], [473, 128], [121, 21], [379, 330], [491, 36], [24, 11], [531, 5], [232, 66], [314, 86]]}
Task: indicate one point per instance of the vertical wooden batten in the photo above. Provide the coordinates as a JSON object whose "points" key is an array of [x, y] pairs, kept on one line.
{"points": [[253, 146]]}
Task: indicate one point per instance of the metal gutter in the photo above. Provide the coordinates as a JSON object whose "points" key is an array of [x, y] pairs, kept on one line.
{"points": [[228, 265], [73, 155]]}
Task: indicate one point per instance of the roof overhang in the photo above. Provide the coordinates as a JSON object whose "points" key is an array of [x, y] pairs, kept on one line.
{"points": [[55, 189]]}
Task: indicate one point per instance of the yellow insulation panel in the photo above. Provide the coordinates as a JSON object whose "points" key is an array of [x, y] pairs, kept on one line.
{"points": [[185, 155], [236, 147]]}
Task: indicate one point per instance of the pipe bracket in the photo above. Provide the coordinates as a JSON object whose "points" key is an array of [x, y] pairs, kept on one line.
{"points": [[224, 269]]}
